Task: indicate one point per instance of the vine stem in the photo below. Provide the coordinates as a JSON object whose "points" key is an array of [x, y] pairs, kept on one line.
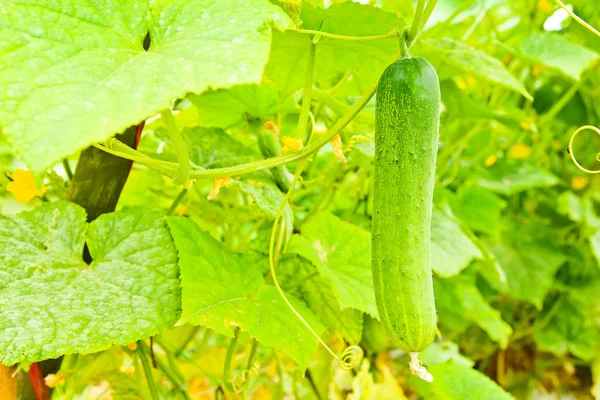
{"points": [[415, 27], [177, 200], [306, 96], [390, 35], [252, 354], [229, 357], [67, 168], [143, 356], [185, 166], [428, 11], [167, 169]]}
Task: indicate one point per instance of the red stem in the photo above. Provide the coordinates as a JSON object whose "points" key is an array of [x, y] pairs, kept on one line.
{"points": [[37, 381], [138, 135]]}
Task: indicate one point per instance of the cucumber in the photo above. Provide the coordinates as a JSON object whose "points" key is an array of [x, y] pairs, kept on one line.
{"points": [[270, 147], [406, 140]]}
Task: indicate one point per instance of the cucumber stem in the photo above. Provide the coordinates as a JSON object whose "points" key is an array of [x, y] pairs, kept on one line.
{"points": [[390, 35]]}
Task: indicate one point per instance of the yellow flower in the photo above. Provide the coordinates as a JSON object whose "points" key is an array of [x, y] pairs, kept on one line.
{"points": [[290, 144], [338, 150], [525, 125], [545, 6], [217, 185], [520, 151], [270, 126], [23, 186], [490, 160], [579, 182]]}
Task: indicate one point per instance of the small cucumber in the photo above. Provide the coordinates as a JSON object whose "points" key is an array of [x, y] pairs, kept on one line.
{"points": [[407, 122], [270, 147]]}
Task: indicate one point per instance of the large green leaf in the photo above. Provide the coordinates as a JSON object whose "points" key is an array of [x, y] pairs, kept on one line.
{"points": [[341, 252], [510, 178], [460, 300], [53, 303], [479, 208], [222, 289], [214, 148], [475, 62], [320, 297], [569, 330], [75, 73], [453, 381], [225, 108], [366, 59], [557, 52], [529, 268], [451, 249]]}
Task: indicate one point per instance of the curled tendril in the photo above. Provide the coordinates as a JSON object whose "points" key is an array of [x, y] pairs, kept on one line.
{"points": [[570, 149], [239, 381], [350, 358]]}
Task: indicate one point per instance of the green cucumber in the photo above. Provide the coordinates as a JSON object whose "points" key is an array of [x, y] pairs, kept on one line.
{"points": [[270, 147], [406, 140]]}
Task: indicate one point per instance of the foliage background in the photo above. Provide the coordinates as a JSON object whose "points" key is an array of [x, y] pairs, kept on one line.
{"points": [[516, 239]]}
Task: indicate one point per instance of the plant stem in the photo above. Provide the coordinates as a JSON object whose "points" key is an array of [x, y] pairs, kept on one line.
{"points": [[306, 95], [182, 155], [415, 27], [67, 168], [166, 168], [187, 341], [173, 378], [310, 379], [428, 11], [390, 35], [143, 355], [177, 200], [252, 354], [230, 351]]}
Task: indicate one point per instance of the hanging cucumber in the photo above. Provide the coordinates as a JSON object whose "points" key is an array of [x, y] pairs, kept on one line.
{"points": [[406, 141], [270, 147]]}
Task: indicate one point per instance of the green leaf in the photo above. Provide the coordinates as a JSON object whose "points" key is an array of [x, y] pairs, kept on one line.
{"points": [[524, 265], [441, 352], [288, 61], [321, 299], [451, 249], [461, 300], [93, 84], [341, 252], [479, 208], [458, 103], [475, 62], [222, 289], [556, 51], [570, 330], [52, 303], [452, 381], [225, 108], [511, 178], [214, 148], [268, 198], [367, 59]]}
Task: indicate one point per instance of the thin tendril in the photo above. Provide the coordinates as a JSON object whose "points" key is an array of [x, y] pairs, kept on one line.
{"points": [[389, 35], [570, 149], [577, 18], [351, 355]]}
